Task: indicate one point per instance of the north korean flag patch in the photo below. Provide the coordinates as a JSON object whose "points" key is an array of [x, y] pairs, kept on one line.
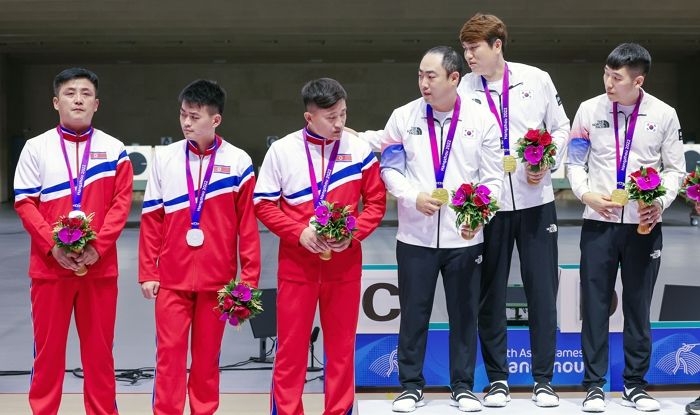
{"points": [[344, 158], [98, 155], [218, 168]]}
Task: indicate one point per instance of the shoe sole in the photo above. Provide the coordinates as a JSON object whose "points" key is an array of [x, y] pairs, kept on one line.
{"points": [[456, 405], [497, 404], [544, 405], [631, 404], [689, 410], [418, 405]]}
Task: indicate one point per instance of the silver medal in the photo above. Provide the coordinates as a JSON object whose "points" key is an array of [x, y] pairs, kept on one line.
{"points": [[195, 237], [76, 214]]}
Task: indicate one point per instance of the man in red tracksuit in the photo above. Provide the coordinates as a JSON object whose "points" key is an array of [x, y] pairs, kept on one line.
{"points": [[300, 171], [188, 248], [71, 169]]}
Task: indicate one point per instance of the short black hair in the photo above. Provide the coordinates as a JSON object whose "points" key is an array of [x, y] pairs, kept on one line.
{"points": [[204, 93], [74, 73], [631, 55], [451, 60], [323, 93]]}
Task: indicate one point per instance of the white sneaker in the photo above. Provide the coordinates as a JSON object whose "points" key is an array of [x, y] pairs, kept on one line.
{"points": [[408, 401], [595, 400], [498, 395], [465, 401], [544, 396], [639, 399]]}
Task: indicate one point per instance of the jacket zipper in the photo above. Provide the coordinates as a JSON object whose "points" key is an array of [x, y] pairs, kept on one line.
{"points": [[510, 175]]}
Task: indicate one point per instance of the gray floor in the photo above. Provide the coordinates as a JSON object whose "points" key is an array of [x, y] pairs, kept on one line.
{"points": [[134, 343]]}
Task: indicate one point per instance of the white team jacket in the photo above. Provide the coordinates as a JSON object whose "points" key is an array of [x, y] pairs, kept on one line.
{"points": [[475, 157], [657, 143], [534, 103]]}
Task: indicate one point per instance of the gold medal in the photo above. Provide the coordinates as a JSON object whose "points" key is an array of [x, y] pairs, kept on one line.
{"points": [[441, 195], [619, 196], [509, 164]]}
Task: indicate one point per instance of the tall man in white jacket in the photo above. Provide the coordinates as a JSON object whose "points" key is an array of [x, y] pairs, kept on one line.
{"points": [[520, 97], [467, 138], [629, 127]]}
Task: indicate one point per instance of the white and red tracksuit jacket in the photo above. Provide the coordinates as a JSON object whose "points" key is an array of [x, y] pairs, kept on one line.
{"points": [[284, 202], [657, 143], [228, 220], [42, 194]]}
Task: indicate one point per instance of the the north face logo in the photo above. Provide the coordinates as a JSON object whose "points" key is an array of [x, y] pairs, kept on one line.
{"points": [[656, 254], [552, 228], [479, 259], [415, 131], [601, 124]]}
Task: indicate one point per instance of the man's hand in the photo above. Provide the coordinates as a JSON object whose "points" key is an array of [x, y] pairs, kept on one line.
{"points": [[468, 233], [88, 257], [150, 289], [339, 246], [535, 177], [601, 204], [650, 215], [66, 259], [426, 205], [310, 240]]}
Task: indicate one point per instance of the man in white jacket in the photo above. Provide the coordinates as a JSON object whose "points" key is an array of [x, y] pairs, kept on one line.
{"points": [[520, 97], [467, 138], [613, 135]]}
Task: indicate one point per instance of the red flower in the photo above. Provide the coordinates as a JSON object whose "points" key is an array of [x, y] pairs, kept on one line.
{"points": [[553, 151], [76, 222], [545, 139], [228, 302], [478, 202], [532, 135], [241, 312], [336, 215], [467, 189]]}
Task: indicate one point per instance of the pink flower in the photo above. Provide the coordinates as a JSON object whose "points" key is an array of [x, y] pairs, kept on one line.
{"points": [[482, 196], [242, 292], [459, 198], [350, 223], [693, 192], [646, 179], [533, 154], [322, 214], [69, 236]]}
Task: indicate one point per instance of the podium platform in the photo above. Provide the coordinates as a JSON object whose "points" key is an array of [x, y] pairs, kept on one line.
{"points": [[523, 406]]}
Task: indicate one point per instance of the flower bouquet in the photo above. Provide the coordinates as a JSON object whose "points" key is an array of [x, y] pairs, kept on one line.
{"points": [[644, 186], [473, 204], [690, 189], [536, 150], [72, 232], [238, 302], [334, 223]]}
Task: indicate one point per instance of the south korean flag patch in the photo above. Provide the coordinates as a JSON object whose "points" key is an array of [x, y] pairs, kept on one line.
{"points": [[468, 132], [651, 127], [526, 94]]}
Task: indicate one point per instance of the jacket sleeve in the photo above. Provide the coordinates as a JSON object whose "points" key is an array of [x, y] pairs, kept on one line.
{"points": [[118, 210], [672, 159], [578, 150], [152, 225], [268, 190], [556, 120], [393, 164], [373, 199], [375, 138], [27, 189], [248, 235]]}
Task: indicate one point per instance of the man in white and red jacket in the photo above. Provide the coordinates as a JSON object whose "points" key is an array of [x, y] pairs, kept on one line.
{"points": [[300, 171], [43, 192], [188, 248]]}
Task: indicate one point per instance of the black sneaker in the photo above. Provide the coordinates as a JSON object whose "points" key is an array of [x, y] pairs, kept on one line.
{"points": [[595, 400], [544, 396], [639, 399], [408, 401], [465, 400], [498, 395], [693, 407]]}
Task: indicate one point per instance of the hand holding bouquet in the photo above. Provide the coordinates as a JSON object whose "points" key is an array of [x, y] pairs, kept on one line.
{"points": [[645, 186], [238, 302], [536, 151], [474, 206], [72, 233], [333, 223]]}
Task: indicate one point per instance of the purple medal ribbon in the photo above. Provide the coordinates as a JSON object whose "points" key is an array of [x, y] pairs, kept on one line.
{"points": [[319, 197], [503, 120], [197, 202], [622, 160], [440, 164], [76, 189]]}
